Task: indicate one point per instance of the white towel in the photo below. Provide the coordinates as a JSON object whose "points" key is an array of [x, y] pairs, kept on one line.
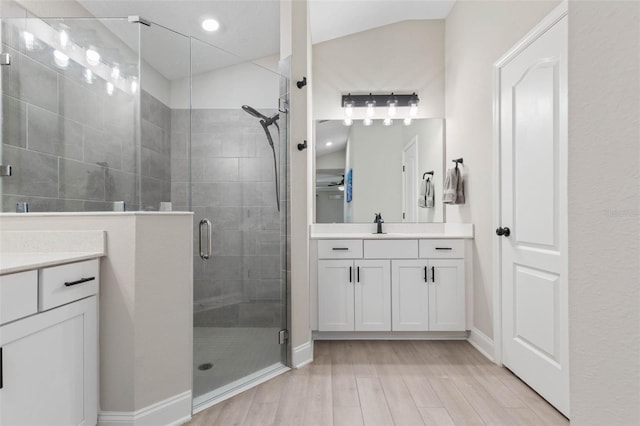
{"points": [[453, 187], [426, 194]]}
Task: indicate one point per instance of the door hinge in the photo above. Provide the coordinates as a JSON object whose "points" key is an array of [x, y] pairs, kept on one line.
{"points": [[403, 168], [5, 170], [403, 216], [283, 336], [139, 20], [5, 59]]}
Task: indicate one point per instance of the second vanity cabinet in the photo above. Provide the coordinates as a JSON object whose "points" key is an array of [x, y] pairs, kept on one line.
{"points": [[391, 285]]}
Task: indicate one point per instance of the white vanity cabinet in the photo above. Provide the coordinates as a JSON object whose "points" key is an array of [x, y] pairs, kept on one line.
{"points": [[404, 285], [49, 360], [353, 295]]}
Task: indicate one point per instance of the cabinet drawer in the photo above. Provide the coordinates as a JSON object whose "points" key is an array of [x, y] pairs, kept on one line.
{"points": [[63, 284], [339, 249], [18, 295], [391, 249], [442, 249]]}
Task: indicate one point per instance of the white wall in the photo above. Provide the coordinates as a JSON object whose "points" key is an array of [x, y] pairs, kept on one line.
{"points": [[231, 87], [430, 151], [333, 160], [376, 159], [403, 57], [477, 34], [155, 84], [604, 212]]}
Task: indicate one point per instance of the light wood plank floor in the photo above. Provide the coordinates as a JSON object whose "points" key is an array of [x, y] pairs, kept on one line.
{"points": [[388, 383]]}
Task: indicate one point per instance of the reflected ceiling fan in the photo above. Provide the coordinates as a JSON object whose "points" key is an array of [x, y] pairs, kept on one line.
{"points": [[341, 183]]}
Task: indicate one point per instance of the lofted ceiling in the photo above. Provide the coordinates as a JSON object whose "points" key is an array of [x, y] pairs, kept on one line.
{"points": [[250, 29]]}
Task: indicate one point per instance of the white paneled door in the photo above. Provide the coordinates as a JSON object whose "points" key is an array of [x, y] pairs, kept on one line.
{"points": [[533, 216]]}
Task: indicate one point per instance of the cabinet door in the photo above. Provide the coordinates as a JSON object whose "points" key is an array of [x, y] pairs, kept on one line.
{"points": [[446, 295], [335, 295], [409, 295], [49, 366], [372, 295]]}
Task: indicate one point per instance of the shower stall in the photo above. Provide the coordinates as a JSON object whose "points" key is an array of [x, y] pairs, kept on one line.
{"points": [[125, 114]]}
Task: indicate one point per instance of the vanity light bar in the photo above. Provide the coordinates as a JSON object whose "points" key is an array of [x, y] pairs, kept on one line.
{"points": [[361, 101]]}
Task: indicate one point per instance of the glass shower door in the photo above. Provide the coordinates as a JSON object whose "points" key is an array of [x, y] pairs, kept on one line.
{"points": [[239, 291]]}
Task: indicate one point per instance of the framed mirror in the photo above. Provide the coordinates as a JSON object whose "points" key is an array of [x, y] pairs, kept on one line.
{"points": [[362, 170]]}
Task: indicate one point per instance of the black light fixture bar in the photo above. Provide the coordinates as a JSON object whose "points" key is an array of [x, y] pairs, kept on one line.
{"points": [[360, 100]]}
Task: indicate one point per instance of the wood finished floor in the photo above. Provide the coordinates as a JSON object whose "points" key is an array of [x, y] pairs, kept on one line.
{"points": [[388, 383]]}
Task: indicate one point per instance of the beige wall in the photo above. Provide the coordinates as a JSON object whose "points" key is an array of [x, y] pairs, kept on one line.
{"points": [[477, 34], [604, 212], [403, 57], [145, 302]]}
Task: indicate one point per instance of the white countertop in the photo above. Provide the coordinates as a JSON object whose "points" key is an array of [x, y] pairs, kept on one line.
{"points": [[18, 262], [393, 231], [27, 250]]}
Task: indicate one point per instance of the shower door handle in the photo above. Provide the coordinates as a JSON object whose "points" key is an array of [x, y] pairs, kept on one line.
{"points": [[205, 254]]}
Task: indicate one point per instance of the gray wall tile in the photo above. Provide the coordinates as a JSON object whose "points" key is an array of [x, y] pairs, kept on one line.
{"points": [[80, 104], [34, 174], [102, 148], [81, 181], [14, 122], [31, 82], [53, 134]]}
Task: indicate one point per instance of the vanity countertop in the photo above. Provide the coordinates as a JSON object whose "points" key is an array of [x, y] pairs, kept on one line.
{"points": [[11, 263], [393, 231], [26, 250]]}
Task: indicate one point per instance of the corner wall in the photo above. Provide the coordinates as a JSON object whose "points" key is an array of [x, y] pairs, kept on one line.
{"points": [[604, 212], [477, 33]]}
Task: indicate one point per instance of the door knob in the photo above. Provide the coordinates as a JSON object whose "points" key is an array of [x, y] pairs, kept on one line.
{"points": [[503, 231]]}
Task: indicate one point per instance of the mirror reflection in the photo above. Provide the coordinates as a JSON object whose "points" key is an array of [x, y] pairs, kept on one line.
{"points": [[362, 170]]}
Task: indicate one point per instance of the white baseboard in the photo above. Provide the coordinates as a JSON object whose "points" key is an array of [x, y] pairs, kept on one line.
{"points": [[390, 335], [302, 355], [175, 410], [482, 343]]}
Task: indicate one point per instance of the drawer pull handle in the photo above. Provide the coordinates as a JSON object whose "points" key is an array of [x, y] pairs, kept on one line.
{"points": [[444, 248], [340, 248], [80, 281]]}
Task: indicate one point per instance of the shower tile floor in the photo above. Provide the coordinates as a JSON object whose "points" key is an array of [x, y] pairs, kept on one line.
{"points": [[235, 352]]}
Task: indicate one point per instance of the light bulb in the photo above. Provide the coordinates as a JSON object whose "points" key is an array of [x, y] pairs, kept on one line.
{"points": [[407, 121], [64, 39], [341, 188], [370, 109], [329, 143], [93, 57], [88, 76], [348, 121], [348, 111], [29, 40], [367, 121], [392, 109], [413, 110], [109, 88], [387, 121], [210, 25], [115, 73], [60, 59], [134, 86]]}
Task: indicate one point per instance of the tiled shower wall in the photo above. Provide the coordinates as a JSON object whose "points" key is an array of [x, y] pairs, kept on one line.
{"points": [[71, 145], [233, 186]]}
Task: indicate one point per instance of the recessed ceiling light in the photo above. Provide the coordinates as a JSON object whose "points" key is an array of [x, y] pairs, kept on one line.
{"points": [[210, 25], [329, 143]]}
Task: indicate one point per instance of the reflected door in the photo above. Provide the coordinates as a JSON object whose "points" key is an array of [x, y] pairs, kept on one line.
{"points": [[533, 132]]}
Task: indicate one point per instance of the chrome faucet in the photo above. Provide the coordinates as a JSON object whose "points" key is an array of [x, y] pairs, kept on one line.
{"points": [[378, 219]]}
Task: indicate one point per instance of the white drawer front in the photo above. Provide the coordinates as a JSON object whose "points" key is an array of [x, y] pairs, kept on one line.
{"points": [[339, 249], [442, 249], [18, 295], [63, 284], [391, 249]]}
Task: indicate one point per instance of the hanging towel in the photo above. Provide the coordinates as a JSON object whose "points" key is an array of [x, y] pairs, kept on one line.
{"points": [[453, 187], [426, 194]]}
